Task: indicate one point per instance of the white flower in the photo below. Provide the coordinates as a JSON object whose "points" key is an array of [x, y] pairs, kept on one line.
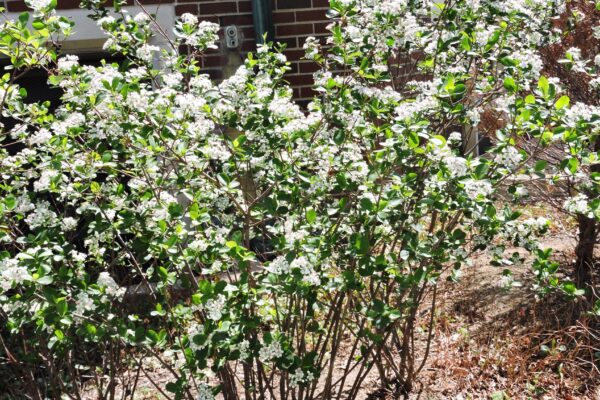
{"points": [[194, 330], [270, 352], [279, 266], [141, 18], [580, 112], [69, 223], [45, 179], [474, 116], [575, 53], [521, 191], [312, 47], [204, 36], [296, 378], [215, 307], [199, 245], [111, 288], [39, 5], [577, 205], [394, 7], [66, 63], [509, 158], [78, 256], [42, 215], [455, 138], [205, 392], [108, 20], [476, 189], [83, 303], [456, 165], [146, 52], [189, 19], [244, 349], [11, 273], [536, 224], [40, 137], [309, 275]]}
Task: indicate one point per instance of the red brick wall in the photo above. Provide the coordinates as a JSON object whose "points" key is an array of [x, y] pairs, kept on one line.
{"points": [[294, 20]]}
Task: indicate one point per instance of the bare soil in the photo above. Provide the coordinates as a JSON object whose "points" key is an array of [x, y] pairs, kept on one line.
{"points": [[489, 339]]}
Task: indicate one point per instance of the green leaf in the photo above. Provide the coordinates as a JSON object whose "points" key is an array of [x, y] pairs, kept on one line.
{"points": [[413, 139], [544, 86], [95, 187], [196, 299], [562, 102], [38, 24], [311, 215], [571, 289], [366, 204], [61, 306], [175, 210], [164, 274], [510, 84], [24, 17], [573, 165], [361, 244], [10, 202], [45, 280], [540, 165], [91, 329]]}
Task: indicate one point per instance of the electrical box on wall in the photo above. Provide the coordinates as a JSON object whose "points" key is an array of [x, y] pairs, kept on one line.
{"points": [[231, 37]]}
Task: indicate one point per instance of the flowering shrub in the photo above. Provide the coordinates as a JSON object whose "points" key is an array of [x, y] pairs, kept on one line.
{"points": [[231, 236], [570, 165]]}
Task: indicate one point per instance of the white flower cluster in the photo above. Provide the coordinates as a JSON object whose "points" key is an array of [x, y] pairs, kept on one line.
{"points": [[270, 352], [456, 165], [393, 7], [244, 349], [299, 377], [43, 215], [215, 307], [193, 330], [42, 136], [279, 266], [202, 35], [509, 158], [111, 288], [205, 392], [578, 205], [580, 112], [312, 47], [39, 5], [477, 189], [11, 273], [43, 183], [83, 304], [163, 162], [309, 275], [146, 52], [66, 63]]}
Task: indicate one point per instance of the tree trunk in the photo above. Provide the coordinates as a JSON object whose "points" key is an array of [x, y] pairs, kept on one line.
{"points": [[584, 251]]}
